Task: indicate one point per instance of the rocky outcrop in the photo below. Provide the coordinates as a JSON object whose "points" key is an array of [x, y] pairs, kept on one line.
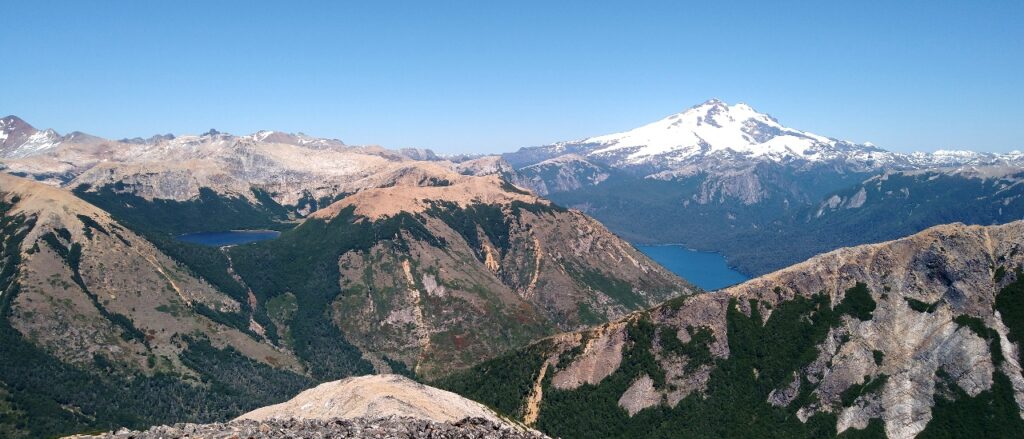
{"points": [[394, 427], [372, 406], [374, 397]]}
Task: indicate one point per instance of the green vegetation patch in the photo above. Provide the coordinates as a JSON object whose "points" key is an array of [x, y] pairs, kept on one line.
{"points": [[922, 307], [858, 302], [879, 357], [697, 350], [283, 307], [468, 220], [992, 413], [763, 357], [89, 224], [869, 386], [502, 383], [209, 211], [619, 290], [588, 316], [999, 274], [1010, 304]]}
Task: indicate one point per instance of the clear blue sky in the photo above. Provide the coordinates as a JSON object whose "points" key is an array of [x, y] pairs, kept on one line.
{"points": [[481, 76]]}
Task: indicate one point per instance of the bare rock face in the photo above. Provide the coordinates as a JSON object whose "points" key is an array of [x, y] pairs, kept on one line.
{"points": [[561, 174], [374, 397], [640, 395]]}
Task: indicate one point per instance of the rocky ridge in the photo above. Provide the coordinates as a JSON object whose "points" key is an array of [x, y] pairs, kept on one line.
{"points": [[896, 323]]}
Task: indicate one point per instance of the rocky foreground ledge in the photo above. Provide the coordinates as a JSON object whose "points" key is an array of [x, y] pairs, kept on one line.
{"points": [[359, 428]]}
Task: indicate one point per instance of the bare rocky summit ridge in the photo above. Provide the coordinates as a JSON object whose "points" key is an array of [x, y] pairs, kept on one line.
{"points": [[288, 167], [417, 188]]}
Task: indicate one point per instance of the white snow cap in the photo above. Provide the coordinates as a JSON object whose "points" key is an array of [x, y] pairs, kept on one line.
{"points": [[711, 127]]}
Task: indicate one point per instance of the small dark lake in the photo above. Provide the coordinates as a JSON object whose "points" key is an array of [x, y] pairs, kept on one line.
{"points": [[706, 270], [233, 237]]}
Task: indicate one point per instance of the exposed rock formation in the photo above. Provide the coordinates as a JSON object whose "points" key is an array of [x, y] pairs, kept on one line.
{"points": [[374, 397], [392, 428], [371, 406]]}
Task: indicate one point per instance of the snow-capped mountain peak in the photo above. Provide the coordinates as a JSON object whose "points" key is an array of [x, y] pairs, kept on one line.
{"points": [[716, 136], [19, 139], [709, 128]]}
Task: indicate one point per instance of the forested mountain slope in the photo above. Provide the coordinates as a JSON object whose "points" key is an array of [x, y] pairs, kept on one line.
{"points": [[100, 329], [917, 337]]}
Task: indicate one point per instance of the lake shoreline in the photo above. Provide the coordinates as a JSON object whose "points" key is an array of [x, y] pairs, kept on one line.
{"points": [[228, 238]]}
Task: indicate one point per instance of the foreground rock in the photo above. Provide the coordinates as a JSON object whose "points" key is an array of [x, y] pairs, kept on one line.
{"points": [[393, 427], [373, 406], [375, 397]]}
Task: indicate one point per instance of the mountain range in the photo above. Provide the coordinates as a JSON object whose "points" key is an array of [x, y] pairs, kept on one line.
{"points": [[487, 276]]}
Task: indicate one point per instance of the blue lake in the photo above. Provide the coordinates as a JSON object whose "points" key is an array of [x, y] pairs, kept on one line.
{"points": [[704, 269], [233, 237]]}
